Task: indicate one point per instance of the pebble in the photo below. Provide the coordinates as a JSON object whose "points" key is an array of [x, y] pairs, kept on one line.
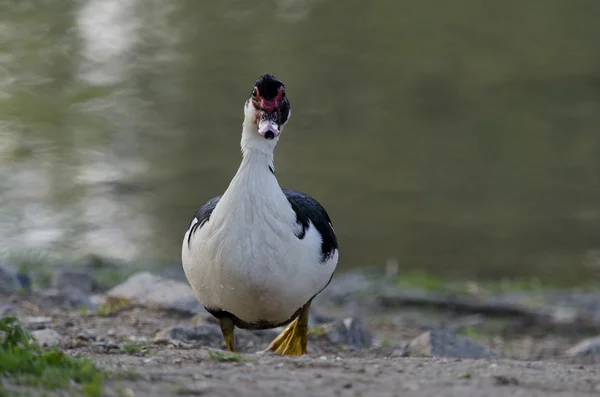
{"points": [[71, 278], [68, 296], [442, 343], [349, 331], [38, 320], [8, 280], [47, 337], [240, 377], [7, 310], [587, 347], [155, 292], [127, 392]]}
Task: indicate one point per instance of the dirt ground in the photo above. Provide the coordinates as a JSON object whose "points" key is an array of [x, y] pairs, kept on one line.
{"points": [[194, 373], [163, 369]]}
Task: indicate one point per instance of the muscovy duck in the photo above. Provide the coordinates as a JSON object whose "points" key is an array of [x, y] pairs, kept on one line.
{"points": [[257, 255]]}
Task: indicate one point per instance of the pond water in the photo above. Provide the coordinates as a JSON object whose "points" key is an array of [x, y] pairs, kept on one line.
{"points": [[459, 138]]}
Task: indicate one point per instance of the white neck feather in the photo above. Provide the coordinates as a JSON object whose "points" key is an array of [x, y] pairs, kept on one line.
{"points": [[254, 146], [254, 185]]}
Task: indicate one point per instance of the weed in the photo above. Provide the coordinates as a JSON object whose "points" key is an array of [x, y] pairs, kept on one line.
{"points": [[27, 364], [226, 356], [134, 347], [112, 306], [316, 330]]}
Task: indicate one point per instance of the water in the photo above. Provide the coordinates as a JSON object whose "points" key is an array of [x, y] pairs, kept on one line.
{"points": [[459, 138]]}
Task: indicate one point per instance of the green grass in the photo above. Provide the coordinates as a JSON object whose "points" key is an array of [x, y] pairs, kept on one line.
{"points": [[422, 280], [135, 347], [428, 282], [112, 306], [25, 363], [226, 356], [316, 330]]}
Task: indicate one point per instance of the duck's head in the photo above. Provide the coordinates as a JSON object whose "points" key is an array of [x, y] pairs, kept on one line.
{"points": [[267, 108]]}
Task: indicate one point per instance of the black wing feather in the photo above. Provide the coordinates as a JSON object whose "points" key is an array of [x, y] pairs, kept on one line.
{"points": [[202, 215], [308, 209]]}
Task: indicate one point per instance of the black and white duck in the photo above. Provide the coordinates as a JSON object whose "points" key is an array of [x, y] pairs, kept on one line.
{"points": [[257, 255]]}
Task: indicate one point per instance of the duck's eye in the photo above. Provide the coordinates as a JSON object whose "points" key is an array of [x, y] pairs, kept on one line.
{"points": [[283, 94], [254, 93], [274, 116], [263, 116]]}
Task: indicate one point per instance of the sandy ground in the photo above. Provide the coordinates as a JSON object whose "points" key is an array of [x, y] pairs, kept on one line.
{"points": [[194, 373], [168, 370]]}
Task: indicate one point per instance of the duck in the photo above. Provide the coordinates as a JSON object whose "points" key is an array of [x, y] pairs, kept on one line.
{"points": [[257, 255]]}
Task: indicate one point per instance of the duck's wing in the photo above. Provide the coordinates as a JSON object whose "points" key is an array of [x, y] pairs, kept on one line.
{"points": [[201, 217], [308, 210]]}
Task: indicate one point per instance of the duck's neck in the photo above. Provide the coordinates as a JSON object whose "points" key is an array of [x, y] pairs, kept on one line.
{"points": [[254, 191], [256, 150]]}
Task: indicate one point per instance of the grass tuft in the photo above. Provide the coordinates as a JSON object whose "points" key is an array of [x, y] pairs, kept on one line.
{"points": [[112, 306], [26, 363], [226, 356]]}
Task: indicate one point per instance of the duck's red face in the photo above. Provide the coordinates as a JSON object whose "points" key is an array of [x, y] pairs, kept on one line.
{"points": [[271, 104]]}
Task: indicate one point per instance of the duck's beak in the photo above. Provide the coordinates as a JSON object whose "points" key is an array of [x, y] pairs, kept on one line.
{"points": [[268, 128]]}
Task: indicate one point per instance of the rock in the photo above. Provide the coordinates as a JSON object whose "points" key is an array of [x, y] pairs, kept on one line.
{"points": [[209, 335], [38, 321], [70, 297], [8, 280], [155, 292], [587, 347], [24, 281], [350, 331], [205, 335], [7, 310], [47, 337], [346, 287], [442, 343], [77, 279], [315, 318]]}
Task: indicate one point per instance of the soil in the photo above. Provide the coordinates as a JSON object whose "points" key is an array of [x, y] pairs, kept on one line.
{"points": [[167, 369]]}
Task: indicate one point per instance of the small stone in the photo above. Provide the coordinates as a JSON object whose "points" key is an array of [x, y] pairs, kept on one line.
{"points": [[7, 310], [8, 280], [70, 278], [587, 347], [84, 337], [155, 292], [236, 378], [47, 337], [206, 335], [38, 320], [350, 331], [127, 392], [24, 281], [113, 345], [68, 296], [502, 380], [442, 343]]}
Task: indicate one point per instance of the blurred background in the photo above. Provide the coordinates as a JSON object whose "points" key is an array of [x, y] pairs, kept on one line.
{"points": [[461, 139]]}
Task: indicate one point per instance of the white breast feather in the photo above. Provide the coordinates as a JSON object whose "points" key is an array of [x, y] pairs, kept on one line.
{"points": [[247, 260]]}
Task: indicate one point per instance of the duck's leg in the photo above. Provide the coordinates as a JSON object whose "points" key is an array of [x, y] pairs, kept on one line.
{"points": [[292, 341], [227, 328]]}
